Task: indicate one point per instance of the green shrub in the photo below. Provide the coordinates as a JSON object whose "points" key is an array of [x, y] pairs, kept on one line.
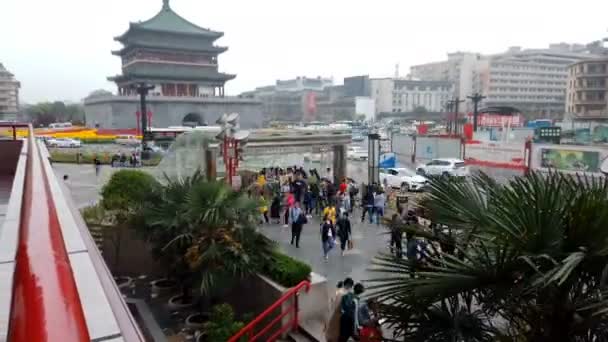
{"points": [[286, 270], [128, 189], [222, 325]]}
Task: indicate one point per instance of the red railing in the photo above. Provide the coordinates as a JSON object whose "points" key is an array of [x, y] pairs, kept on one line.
{"points": [[46, 305], [249, 331]]}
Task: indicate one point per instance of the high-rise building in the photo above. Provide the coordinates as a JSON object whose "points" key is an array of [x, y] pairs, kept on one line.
{"points": [[531, 80], [9, 95], [179, 60], [407, 95], [587, 95]]}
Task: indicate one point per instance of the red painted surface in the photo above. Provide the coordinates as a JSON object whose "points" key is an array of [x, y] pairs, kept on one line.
{"points": [[46, 305], [516, 165], [422, 129], [468, 131], [250, 329]]}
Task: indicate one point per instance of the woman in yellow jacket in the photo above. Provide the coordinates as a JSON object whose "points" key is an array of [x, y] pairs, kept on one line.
{"points": [[330, 212]]}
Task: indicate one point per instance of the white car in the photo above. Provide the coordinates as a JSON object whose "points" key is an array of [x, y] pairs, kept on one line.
{"points": [[64, 142], [356, 153], [403, 178], [444, 167]]}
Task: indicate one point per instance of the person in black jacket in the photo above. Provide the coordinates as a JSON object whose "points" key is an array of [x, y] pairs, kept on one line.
{"points": [[328, 234], [368, 204], [344, 231]]}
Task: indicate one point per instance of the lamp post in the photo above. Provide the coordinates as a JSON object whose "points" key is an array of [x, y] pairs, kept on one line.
{"points": [[476, 98], [456, 102], [373, 152], [142, 90]]}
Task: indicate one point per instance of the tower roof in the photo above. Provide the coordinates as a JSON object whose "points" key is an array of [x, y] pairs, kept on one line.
{"points": [[168, 21]]}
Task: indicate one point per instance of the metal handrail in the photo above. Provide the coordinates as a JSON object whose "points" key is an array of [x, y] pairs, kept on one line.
{"points": [[46, 304], [293, 323]]}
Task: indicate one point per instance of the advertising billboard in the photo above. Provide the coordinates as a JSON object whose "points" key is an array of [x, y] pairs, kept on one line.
{"points": [[570, 160]]}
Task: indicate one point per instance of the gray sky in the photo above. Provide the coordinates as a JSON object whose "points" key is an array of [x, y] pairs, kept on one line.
{"points": [[60, 49]]}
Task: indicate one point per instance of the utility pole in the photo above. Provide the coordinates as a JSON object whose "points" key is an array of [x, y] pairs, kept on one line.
{"points": [[448, 107], [476, 98], [457, 102]]}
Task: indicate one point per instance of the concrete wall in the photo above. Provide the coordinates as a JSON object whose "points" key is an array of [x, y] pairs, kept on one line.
{"points": [[119, 112]]}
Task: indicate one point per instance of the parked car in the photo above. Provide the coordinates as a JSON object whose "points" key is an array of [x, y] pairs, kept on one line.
{"points": [[444, 167], [356, 153], [63, 142], [403, 178], [127, 140]]}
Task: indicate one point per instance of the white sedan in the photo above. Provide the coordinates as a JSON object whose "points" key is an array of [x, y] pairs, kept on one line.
{"points": [[65, 142], [403, 178], [356, 153], [444, 167]]}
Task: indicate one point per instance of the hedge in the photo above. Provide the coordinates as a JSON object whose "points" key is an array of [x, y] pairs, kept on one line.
{"points": [[286, 270]]}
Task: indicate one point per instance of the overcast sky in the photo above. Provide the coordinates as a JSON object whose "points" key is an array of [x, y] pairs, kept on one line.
{"points": [[60, 49]]}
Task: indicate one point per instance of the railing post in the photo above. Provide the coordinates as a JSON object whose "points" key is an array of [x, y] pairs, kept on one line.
{"points": [[296, 307]]}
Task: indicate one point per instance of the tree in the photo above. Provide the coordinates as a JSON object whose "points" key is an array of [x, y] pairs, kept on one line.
{"points": [[529, 264], [205, 231], [46, 113], [420, 110]]}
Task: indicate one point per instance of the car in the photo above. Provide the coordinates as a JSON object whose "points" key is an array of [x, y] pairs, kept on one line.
{"points": [[403, 178], [444, 167], [63, 142], [356, 153]]}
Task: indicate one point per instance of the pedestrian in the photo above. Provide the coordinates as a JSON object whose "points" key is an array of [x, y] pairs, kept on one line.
{"points": [[396, 236], [329, 175], [379, 203], [264, 207], [328, 233], [308, 202], [97, 165], [368, 204], [348, 309], [368, 327], [332, 328], [289, 202], [343, 186], [275, 209], [316, 196], [330, 212], [298, 219], [352, 194], [344, 232]]}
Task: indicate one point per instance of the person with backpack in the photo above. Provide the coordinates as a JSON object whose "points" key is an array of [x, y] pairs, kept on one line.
{"points": [[298, 219], [368, 204], [353, 190], [348, 309], [332, 328]]}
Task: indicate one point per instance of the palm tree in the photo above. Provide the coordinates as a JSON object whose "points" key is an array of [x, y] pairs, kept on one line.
{"points": [[530, 264], [205, 230]]}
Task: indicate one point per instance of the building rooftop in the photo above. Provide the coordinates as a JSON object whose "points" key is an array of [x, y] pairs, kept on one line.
{"points": [[168, 21]]}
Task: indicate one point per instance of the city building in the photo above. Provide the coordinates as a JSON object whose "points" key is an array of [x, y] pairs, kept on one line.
{"points": [[532, 80], [9, 95], [304, 99], [587, 95], [393, 95], [179, 60]]}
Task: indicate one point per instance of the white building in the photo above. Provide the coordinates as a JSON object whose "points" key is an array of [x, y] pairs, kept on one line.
{"points": [[587, 95], [405, 95], [9, 95], [532, 80], [304, 83]]}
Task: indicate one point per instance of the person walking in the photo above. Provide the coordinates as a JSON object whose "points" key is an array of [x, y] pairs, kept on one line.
{"points": [[275, 209], [379, 203], [344, 232], [97, 165], [298, 219], [368, 204], [328, 233], [352, 194], [264, 207], [396, 236], [289, 202], [348, 309], [330, 212], [332, 328], [308, 202]]}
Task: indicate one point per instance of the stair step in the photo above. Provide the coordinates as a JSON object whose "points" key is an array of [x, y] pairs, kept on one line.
{"points": [[314, 330], [298, 337]]}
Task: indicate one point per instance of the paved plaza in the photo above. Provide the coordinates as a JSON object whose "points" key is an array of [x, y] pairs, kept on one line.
{"points": [[369, 239]]}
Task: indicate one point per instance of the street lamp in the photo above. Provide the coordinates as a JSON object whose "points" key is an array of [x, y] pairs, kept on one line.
{"points": [[373, 151], [143, 89]]}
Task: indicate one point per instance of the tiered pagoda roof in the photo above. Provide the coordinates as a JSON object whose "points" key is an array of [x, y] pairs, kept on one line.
{"points": [[167, 31]]}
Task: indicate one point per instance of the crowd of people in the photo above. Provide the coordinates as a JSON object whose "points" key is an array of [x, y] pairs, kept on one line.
{"points": [[292, 196]]}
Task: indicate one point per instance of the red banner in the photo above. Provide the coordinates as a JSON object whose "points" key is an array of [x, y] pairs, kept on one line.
{"points": [[497, 120]]}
